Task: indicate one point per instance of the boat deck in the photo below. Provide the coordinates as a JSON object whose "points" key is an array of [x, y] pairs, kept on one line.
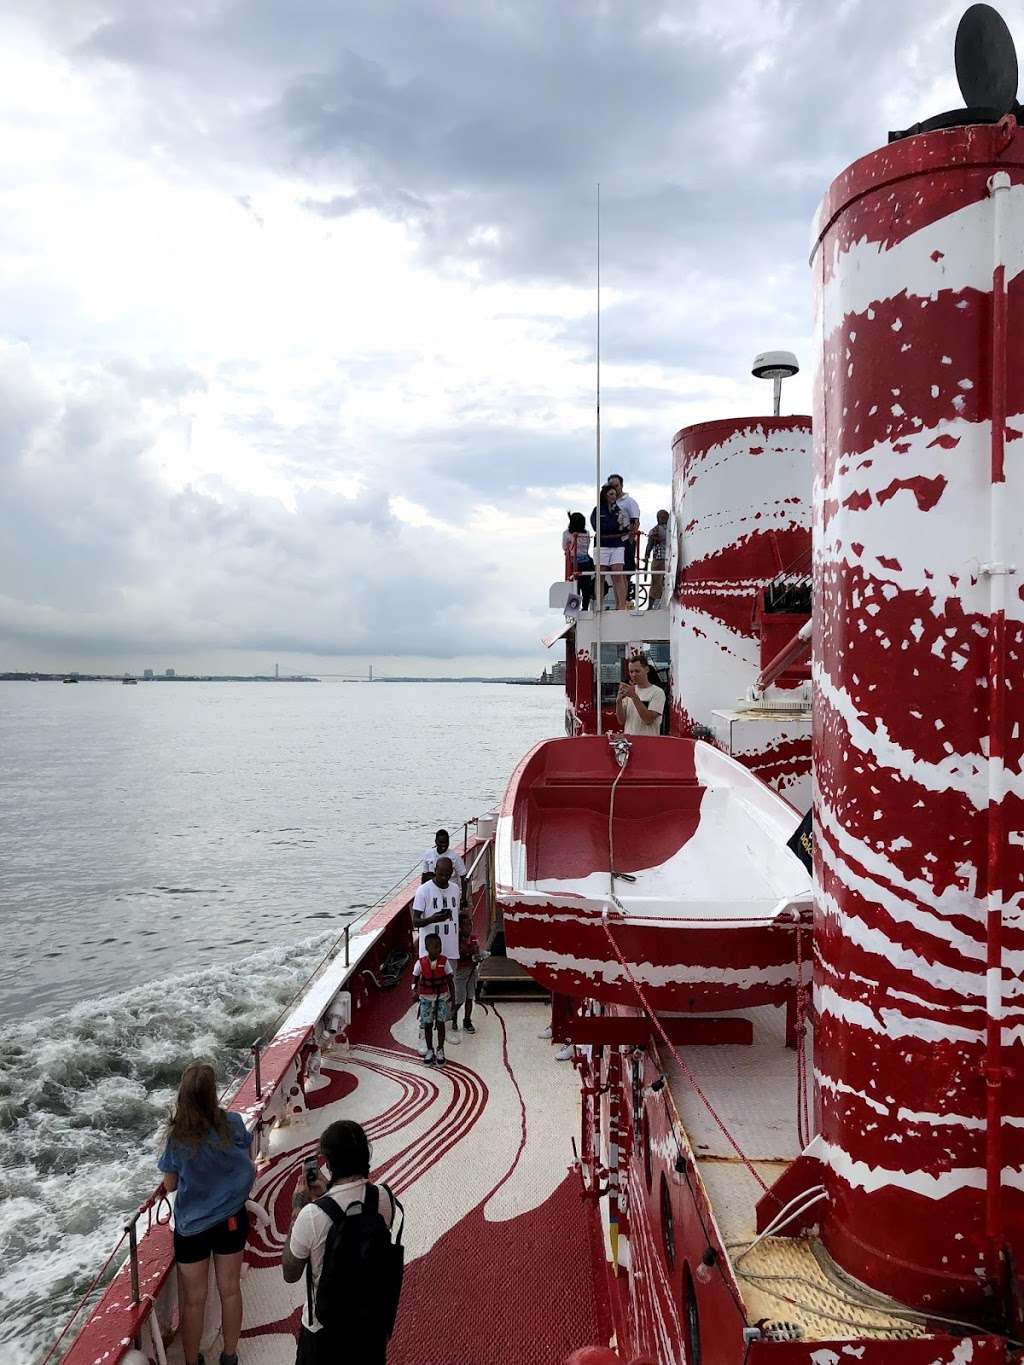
{"points": [[479, 1154], [754, 1092]]}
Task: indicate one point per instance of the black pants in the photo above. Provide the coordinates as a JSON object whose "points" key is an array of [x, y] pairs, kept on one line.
{"points": [[321, 1348], [630, 566], [585, 581]]}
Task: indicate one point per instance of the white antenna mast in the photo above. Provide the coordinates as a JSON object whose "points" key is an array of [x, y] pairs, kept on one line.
{"points": [[598, 582]]}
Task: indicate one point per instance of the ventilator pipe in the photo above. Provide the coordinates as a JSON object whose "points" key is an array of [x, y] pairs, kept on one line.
{"points": [[787, 656], [997, 572]]}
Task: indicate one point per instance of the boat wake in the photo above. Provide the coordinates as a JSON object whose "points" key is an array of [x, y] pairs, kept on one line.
{"points": [[82, 1097]]}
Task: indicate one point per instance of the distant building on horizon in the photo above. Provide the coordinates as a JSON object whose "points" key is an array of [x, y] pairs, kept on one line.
{"points": [[371, 673], [168, 672], [277, 671], [147, 673]]}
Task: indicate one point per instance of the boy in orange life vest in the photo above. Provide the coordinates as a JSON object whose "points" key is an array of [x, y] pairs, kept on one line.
{"points": [[433, 980]]}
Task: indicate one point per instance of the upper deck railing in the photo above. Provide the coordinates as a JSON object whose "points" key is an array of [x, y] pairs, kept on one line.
{"points": [[646, 585]]}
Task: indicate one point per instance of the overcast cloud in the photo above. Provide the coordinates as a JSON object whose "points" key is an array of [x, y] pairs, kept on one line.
{"points": [[297, 299]]}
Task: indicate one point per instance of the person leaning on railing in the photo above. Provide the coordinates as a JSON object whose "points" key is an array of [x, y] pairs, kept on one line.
{"points": [[578, 563]]}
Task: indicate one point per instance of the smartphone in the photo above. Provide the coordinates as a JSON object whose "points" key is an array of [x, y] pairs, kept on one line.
{"points": [[311, 1170]]}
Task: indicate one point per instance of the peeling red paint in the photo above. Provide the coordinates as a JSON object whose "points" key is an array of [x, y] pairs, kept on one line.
{"points": [[901, 723], [926, 491]]}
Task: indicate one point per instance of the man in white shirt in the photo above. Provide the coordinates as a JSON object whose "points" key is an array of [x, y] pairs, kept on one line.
{"points": [[435, 909], [442, 849], [640, 704], [345, 1148], [631, 509]]}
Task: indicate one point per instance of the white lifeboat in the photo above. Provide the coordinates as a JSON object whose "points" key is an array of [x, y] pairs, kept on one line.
{"points": [[695, 896]]}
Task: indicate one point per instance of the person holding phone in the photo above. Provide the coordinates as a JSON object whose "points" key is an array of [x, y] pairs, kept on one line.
{"points": [[640, 704], [346, 1150]]}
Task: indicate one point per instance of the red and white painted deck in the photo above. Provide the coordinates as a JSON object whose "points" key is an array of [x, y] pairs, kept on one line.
{"points": [[480, 1153]]}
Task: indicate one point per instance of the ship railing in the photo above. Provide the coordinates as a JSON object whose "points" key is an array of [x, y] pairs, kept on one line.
{"points": [[135, 1298], [640, 585]]}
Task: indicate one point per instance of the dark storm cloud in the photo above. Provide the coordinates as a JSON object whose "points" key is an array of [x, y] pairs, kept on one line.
{"points": [[707, 141], [714, 130]]}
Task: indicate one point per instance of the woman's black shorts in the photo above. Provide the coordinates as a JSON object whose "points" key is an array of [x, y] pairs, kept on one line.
{"points": [[223, 1239]]}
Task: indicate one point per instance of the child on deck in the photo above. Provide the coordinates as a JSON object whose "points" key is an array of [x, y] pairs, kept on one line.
{"points": [[433, 981], [470, 957]]}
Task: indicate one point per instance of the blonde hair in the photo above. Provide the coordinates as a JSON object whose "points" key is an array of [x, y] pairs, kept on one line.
{"points": [[196, 1109]]}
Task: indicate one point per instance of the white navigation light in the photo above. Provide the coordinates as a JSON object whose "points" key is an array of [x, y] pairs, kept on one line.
{"points": [[776, 365]]}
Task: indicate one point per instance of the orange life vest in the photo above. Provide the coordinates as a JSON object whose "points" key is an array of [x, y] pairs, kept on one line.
{"points": [[433, 977]]}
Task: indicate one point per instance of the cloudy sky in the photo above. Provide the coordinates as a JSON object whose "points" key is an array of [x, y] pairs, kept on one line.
{"points": [[297, 298]]}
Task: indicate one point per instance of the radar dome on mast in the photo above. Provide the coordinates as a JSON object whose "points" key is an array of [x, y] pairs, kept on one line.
{"points": [[776, 365]]}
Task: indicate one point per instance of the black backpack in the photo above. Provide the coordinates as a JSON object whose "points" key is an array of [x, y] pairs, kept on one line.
{"points": [[361, 1277]]}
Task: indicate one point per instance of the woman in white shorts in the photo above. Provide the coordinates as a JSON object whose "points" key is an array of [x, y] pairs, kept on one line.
{"points": [[613, 547]]}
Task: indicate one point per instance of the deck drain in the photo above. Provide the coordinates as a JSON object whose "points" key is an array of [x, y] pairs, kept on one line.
{"points": [[782, 1331]]}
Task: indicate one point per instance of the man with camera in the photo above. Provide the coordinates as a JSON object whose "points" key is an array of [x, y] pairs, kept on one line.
{"points": [[640, 704]]}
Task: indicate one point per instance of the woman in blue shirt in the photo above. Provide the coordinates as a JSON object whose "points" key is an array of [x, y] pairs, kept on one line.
{"points": [[208, 1161]]}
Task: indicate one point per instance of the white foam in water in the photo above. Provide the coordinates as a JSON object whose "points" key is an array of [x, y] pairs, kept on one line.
{"points": [[82, 1099]]}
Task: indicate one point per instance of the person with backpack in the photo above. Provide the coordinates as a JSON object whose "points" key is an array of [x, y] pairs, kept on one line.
{"points": [[340, 1240]]}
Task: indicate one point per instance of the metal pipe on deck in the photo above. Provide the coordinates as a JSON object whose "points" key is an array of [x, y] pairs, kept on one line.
{"points": [[786, 657], [998, 572]]}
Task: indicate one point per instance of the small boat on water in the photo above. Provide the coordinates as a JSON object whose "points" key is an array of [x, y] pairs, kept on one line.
{"points": [[128, 681], [69, 678]]}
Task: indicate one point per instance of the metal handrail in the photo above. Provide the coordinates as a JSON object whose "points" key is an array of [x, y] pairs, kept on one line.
{"points": [[476, 861], [129, 1227], [641, 576]]}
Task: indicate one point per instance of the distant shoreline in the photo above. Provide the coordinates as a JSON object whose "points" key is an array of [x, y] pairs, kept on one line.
{"points": [[161, 678], [254, 678]]}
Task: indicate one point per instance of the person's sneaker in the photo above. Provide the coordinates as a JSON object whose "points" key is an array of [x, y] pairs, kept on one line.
{"points": [[454, 1036], [440, 1058], [424, 1050], [565, 1054], [545, 1033], [469, 1026], [430, 1057]]}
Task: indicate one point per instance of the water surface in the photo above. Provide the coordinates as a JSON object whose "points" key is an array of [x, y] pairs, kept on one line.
{"points": [[174, 859]]}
